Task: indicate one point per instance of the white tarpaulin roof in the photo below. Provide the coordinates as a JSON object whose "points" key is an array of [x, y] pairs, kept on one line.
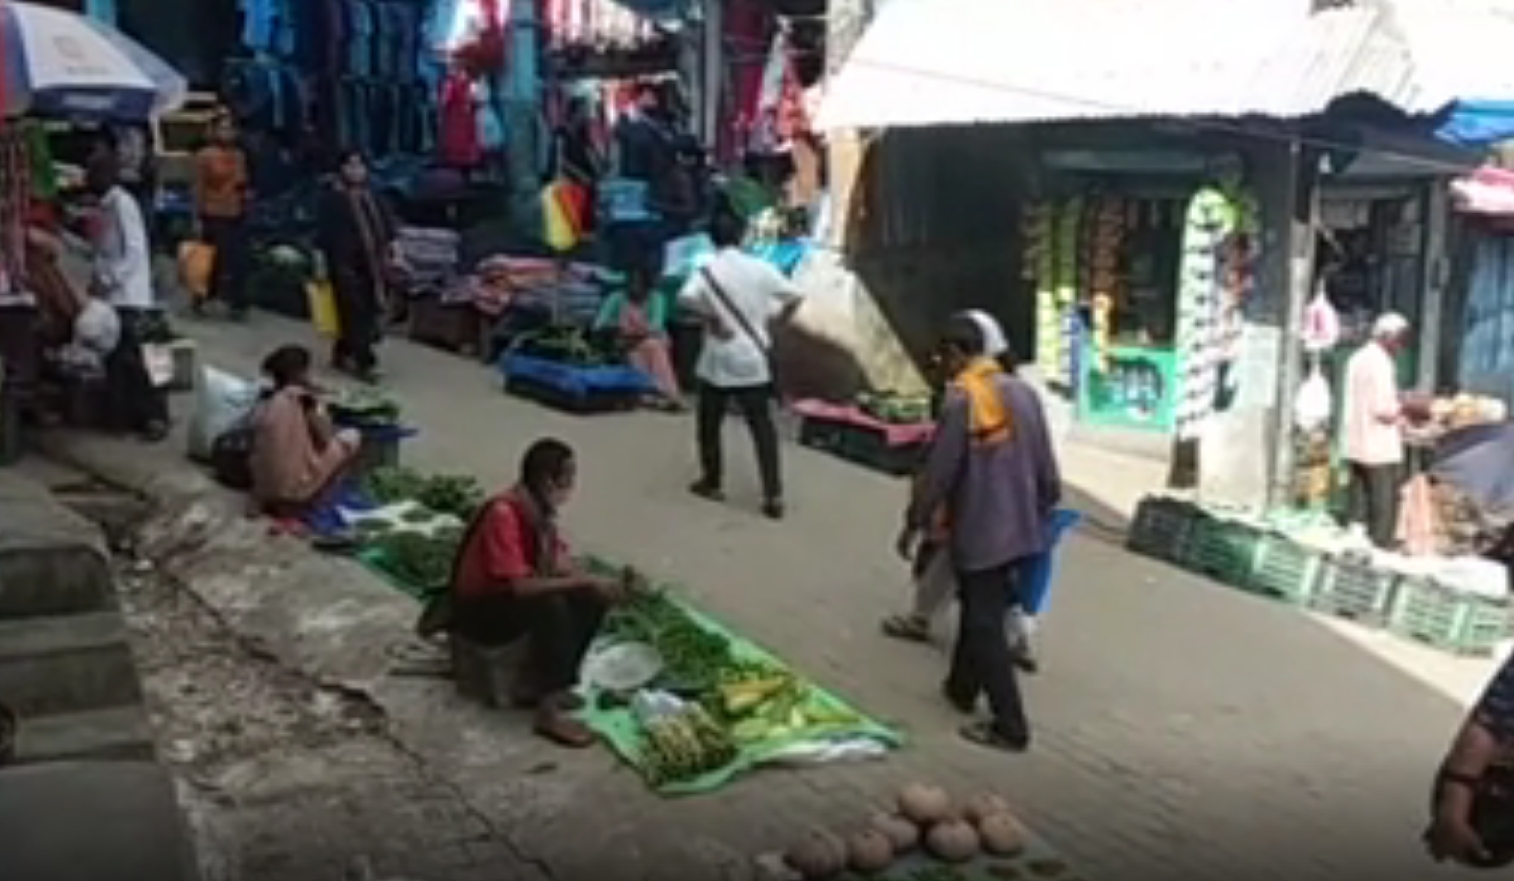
{"points": [[945, 62]]}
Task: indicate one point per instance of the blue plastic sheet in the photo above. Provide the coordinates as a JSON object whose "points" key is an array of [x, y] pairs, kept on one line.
{"points": [[579, 382], [1039, 571], [326, 520], [1478, 123]]}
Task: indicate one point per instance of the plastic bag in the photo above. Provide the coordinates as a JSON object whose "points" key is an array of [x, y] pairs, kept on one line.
{"points": [[323, 314], [196, 263], [1313, 405], [222, 400], [97, 328], [558, 225], [1322, 324]]}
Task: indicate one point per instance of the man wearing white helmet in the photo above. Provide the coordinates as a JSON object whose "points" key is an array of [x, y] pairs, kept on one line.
{"points": [[1373, 444]]}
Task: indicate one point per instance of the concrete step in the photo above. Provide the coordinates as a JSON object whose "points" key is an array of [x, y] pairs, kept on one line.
{"points": [[54, 581], [52, 560], [93, 821], [112, 733], [66, 664]]}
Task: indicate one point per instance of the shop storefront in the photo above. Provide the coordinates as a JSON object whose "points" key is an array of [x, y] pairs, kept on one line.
{"points": [[1142, 263]]}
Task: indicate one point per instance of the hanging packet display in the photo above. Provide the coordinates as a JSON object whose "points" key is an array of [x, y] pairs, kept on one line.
{"points": [[1322, 324]]}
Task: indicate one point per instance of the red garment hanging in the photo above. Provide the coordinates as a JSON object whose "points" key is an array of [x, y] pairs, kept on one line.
{"points": [[458, 135]]}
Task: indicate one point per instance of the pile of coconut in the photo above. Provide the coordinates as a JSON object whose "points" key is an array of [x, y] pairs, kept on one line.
{"points": [[925, 817]]}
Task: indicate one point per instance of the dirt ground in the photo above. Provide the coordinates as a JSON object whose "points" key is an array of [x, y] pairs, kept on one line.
{"points": [[285, 780]]}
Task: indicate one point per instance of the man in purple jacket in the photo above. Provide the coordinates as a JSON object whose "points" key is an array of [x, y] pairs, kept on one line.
{"points": [[993, 471]]}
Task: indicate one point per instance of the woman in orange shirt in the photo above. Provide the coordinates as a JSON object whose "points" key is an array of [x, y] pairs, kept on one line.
{"points": [[222, 193]]}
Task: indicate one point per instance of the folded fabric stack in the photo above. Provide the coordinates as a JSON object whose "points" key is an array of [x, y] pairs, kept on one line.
{"points": [[428, 257], [573, 290]]}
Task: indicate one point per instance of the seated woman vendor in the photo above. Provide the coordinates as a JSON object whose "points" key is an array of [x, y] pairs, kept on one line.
{"points": [[513, 579], [638, 317], [297, 455]]}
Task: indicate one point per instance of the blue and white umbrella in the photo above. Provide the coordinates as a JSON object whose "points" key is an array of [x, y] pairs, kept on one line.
{"points": [[59, 63]]}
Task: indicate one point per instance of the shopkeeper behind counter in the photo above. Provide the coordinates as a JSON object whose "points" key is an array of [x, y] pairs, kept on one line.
{"points": [[1371, 421]]}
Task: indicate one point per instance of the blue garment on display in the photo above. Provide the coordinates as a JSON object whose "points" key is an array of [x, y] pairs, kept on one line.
{"points": [[285, 39], [258, 17], [360, 34]]}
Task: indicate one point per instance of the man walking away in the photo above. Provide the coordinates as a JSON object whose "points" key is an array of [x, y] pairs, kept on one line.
{"points": [[992, 470], [739, 297], [123, 278], [1374, 447]]}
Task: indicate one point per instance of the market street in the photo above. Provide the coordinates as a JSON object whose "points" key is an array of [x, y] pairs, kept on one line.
{"points": [[1182, 729]]}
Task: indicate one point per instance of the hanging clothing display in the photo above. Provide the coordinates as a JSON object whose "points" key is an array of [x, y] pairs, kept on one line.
{"points": [[1201, 330], [598, 23]]}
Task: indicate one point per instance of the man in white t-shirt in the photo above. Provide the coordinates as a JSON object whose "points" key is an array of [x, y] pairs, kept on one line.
{"points": [[739, 297]]}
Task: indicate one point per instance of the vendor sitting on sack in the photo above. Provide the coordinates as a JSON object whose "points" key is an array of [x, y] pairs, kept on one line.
{"points": [[1372, 422], [638, 319], [297, 456], [513, 579]]}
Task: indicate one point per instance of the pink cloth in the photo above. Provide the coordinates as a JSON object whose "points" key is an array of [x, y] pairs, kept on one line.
{"points": [[897, 435], [295, 454], [650, 352], [1371, 431]]}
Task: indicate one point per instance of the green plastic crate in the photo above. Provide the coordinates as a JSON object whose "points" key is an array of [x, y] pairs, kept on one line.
{"points": [[1351, 588], [1222, 549], [1162, 527], [1451, 620], [1285, 570]]}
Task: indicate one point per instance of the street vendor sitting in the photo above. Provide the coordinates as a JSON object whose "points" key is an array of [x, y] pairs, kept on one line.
{"points": [[297, 455], [638, 317], [514, 579], [1373, 441]]}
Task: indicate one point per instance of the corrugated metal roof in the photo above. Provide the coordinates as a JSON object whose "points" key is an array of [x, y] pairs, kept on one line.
{"points": [[935, 62]]}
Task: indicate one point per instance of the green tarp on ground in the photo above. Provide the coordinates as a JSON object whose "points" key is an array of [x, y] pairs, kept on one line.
{"points": [[618, 726]]}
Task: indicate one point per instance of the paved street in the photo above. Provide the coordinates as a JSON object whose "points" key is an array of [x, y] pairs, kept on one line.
{"points": [[1183, 730]]}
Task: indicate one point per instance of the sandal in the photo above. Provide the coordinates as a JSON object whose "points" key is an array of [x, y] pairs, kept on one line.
{"points": [[988, 734], [553, 724], [908, 628]]}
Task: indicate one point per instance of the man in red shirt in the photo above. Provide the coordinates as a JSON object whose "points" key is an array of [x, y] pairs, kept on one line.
{"points": [[514, 579]]}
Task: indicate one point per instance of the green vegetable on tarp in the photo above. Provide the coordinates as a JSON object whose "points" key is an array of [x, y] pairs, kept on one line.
{"points": [[895, 408], [422, 562], [693, 656], [821, 715], [364, 407], [457, 495], [394, 484]]}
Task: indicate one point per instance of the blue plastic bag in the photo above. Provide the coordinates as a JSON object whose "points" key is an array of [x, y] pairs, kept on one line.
{"points": [[1039, 570]]}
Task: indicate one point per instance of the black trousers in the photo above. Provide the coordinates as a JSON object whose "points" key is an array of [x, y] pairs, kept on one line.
{"points": [[136, 404], [981, 660], [559, 626], [21, 351], [1372, 500], [228, 274], [357, 309], [756, 405]]}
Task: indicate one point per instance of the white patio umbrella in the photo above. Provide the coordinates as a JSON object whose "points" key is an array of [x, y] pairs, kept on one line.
{"points": [[58, 63]]}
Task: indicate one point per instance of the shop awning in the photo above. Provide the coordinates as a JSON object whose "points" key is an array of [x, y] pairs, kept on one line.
{"points": [[952, 62]]}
